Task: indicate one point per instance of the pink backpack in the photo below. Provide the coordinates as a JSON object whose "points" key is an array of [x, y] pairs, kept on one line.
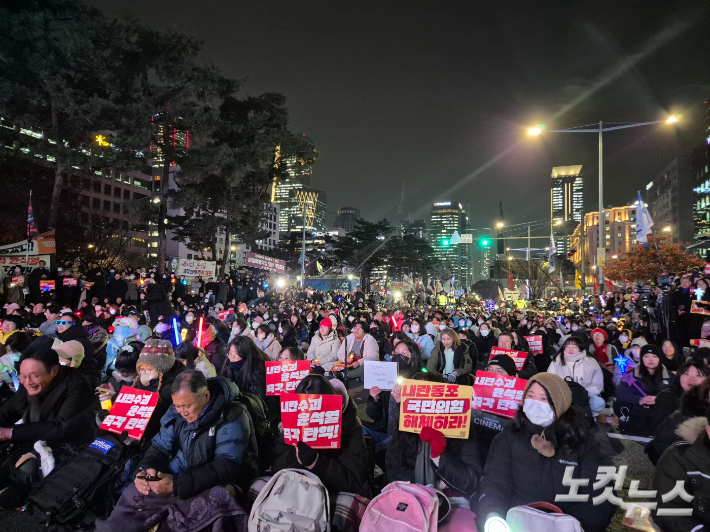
{"points": [[402, 507]]}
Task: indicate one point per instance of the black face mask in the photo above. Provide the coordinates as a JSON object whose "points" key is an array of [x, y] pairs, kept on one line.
{"points": [[402, 363]]}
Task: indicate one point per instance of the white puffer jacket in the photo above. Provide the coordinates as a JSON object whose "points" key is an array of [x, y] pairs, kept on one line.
{"points": [[585, 371], [324, 349]]}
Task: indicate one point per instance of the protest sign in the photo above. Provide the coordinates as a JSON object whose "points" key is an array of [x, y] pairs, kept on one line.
{"points": [[284, 376], [380, 374], [497, 394], [69, 281], [131, 412], [8, 263], [195, 268], [519, 357], [700, 307], [18, 279], [254, 260], [313, 419], [700, 343], [222, 314], [535, 343], [444, 407], [87, 285], [46, 286], [41, 244]]}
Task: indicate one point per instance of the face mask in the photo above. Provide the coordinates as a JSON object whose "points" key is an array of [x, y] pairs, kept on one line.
{"points": [[469, 323], [538, 413], [485, 333], [254, 325], [442, 326], [351, 318], [402, 363], [309, 320], [63, 362], [623, 339], [112, 311], [266, 316], [414, 328], [189, 318], [131, 277], [480, 321], [575, 327], [588, 323], [281, 330], [161, 328], [113, 271]]}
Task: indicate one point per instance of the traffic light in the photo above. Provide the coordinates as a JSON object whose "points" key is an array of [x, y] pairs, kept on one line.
{"points": [[484, 242], [444, 242]]}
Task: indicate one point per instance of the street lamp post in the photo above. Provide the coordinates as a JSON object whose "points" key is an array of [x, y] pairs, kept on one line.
{"points": [[600, 130]]}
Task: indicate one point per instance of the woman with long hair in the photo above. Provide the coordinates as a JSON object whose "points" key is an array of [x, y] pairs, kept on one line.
{"points": [[421, 338], [245, 366], [673, 355], [450, 358], [287, 334], [266, 341], [195, 358]]}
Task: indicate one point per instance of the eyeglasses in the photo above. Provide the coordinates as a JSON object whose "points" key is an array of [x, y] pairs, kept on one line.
{"points": [[64, 322]]}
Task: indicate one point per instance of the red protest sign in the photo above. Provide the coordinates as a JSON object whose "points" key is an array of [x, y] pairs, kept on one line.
{"points": [[700, 343], [46, 286], [535, 343], [519, 357], [222, 314], [18, 279], [313, 419], [69, 281], [284, 376], [131, 412], [445, 407], [497, 394]]}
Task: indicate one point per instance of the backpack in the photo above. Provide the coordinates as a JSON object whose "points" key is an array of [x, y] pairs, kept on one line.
{"points": [[402, 507], [265, 438], [541, 517], [580, 399], [80, 489], [294, 500]]}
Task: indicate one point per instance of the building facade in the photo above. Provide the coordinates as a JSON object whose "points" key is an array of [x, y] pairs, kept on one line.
{"points": [[670, 200], [566, 204], [346, 218], [700, 179], [295, 176], [447, 217]]}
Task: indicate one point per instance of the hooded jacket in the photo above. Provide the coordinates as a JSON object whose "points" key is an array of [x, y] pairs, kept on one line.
{"points": [[269, 345], [584, 371], [324, 349], [344, 469], [687, 462], [216, 449], [91, 366]]}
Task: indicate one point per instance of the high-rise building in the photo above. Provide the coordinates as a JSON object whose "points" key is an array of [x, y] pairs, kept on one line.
{"points": [[447, 217], [700, 178], [415, 228], [346, 218], [295, 175], [670, 200], [566, 203]]}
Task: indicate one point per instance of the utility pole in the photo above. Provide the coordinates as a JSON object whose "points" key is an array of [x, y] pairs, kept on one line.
{"points": [[582, 247], [303, 251]]}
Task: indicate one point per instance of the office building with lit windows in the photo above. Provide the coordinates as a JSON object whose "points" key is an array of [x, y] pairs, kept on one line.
{"points": [[447, 217], [294, 176], [566, 203], [700, 179], [670, 200], [346, 218]]}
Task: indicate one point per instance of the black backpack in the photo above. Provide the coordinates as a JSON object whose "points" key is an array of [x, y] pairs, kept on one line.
{"points": [[80, 489], [580, 399], [265, 437]]}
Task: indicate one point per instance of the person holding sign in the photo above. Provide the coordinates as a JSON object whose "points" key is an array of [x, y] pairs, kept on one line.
{"points": [[59, 407], [343, 469], [431, 459], [527, 460], [509, 341], [206, 440], [574, 363], [358, 345], [450, 358], [323, 351]]}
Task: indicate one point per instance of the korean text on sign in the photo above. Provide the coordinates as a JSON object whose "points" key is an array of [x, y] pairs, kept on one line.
{"points": [[497, 394], [519, 357], [313, 419], [444, 407], [284, 376], [535, 343], [131, 412]]}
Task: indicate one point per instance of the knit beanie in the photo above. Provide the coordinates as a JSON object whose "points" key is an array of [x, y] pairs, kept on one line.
{"points": [[326, 323], [157, 354], [639, 342], [600, 331], [71, 350], [557, 389], [505, 362]]}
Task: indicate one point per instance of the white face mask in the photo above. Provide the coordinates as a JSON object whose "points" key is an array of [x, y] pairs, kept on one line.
{"points": [[623, 339], [63, 362], [266, 317], [442, 326], [112, 311], [351, 318], [538, 413], [189, 318], [469, 323], [281, 330], [480, 321], [254, 325], [485, 333], [160, 328], [575, 327], [414, 328], [309, 320]]}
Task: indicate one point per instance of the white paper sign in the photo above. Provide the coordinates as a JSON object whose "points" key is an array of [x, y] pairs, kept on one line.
{"points": [[380, 374]]}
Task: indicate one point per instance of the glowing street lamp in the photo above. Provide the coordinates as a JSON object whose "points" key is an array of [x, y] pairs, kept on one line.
{"points": [[500, 225], [667, 229]]}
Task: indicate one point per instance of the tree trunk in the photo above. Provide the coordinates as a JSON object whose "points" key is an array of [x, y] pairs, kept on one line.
{"points": [[225, 254], [58, 171]]}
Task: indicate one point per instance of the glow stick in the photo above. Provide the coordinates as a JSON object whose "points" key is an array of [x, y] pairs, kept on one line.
{"points": [[176, 330], [199, 331]]}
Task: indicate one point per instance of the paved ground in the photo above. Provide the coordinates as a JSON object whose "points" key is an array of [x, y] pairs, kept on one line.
{"points": [[625, 452]]}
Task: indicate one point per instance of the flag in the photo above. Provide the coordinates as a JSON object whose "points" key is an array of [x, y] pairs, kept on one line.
{"points": [[437, 285], [577, 280], [596, 286], [31, 226], [551, 254], [447, 287], [500, 293], [511, 281], [611, 286], [644, 224], [320, 268]]}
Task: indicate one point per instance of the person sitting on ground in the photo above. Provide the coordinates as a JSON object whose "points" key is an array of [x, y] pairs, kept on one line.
{"points": [[245, 366], [10, 325], [69, 328], [574, 363], [359, 346], [195, 358], [291, 353], [508, 341], [421, 338], [450, 358], [56, 410], [70, 353], [630, 360], [431, 459], [323, 351], [206, 441], [669, 400], [266, 341], [125, 372], [523, 465]]}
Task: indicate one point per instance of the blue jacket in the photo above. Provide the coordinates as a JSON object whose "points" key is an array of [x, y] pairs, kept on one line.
{"points": [[426, 344], [216, 449]]}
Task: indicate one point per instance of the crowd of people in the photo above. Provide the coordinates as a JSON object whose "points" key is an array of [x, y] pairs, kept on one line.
{"points": [[202, 346]]}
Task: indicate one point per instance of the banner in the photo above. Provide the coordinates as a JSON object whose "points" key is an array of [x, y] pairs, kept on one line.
{"points": [[47, 286], [700, 307], [131, 412], [254, 260], [69, 281], [195, 268], [42, 244], [519, 357], [535, 343], [26, 264], [284, 376], [18, 279], [313, 419], [497, 394], [222, 314], [444, 407], [700, 343]]}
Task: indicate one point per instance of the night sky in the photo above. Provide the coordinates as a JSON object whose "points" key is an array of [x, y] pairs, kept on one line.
{"points": [[439, 94]]}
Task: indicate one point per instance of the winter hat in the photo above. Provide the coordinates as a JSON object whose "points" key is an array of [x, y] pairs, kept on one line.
{"points": [[12, 307], [557, 389], [639, 342], [125, 322], [326, 323], [430, 328], [650, 348], [72, 351], [157, 355], [231, 318], [505, 362], [600, 331]]}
